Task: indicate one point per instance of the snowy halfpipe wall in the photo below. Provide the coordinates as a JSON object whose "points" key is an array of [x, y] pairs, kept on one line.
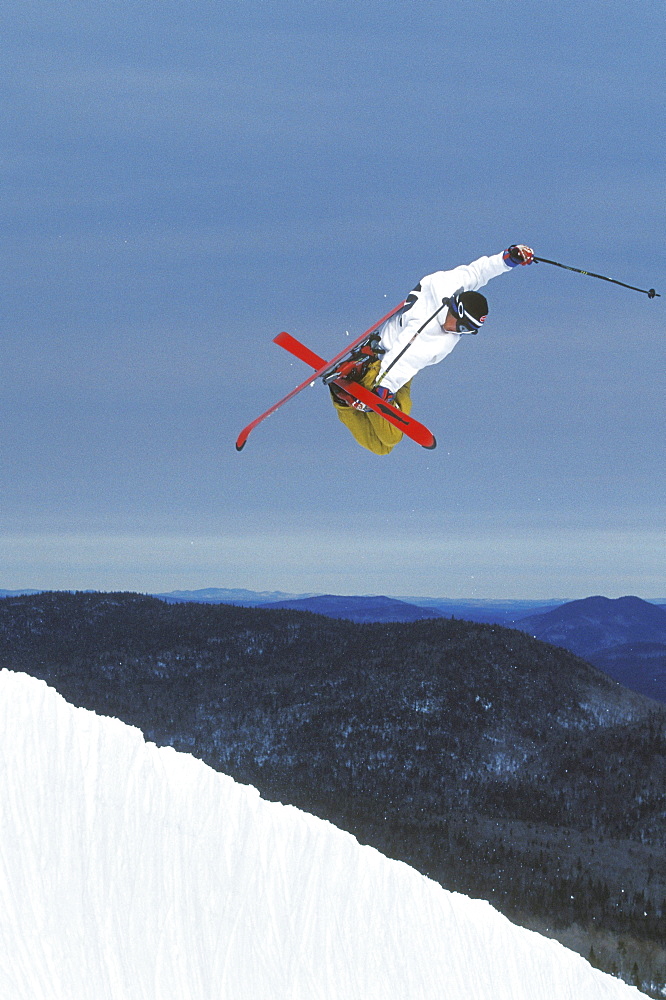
{"points": [[130, 872]]}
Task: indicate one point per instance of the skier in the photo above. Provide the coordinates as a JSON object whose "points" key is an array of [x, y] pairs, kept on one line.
{"points": [[370, 379], [417, 336]]}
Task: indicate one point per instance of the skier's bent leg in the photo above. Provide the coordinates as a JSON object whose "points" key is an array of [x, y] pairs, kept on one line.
{"points": [[369, 429], [363, 430], [388, 433]]}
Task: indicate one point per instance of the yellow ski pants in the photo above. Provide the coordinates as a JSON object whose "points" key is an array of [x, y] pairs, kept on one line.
{"points": [[370, 430]]}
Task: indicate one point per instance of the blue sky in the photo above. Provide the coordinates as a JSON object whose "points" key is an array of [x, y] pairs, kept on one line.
{"points": [[181, 182]]}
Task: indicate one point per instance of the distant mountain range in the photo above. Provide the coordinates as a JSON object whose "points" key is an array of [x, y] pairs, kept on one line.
{"points": [[408, 609], [491, 612], [365, 608], [626, 638], [226, 595], [359, 609], [596, 624]]}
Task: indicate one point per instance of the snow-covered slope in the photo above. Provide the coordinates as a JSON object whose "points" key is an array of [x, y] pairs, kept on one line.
{"points": [[128, 871]]}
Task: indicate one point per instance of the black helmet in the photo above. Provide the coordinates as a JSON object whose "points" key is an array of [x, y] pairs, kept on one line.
{"points": [[470, 310]]}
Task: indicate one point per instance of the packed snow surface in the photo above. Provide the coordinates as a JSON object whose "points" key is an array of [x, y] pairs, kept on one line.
{"points": [[129, 871]]}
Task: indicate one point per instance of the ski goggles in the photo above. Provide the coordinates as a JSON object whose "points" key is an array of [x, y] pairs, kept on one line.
{"points": [[465, 322]]}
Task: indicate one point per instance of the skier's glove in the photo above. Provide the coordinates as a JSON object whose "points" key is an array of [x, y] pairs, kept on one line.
{"points": [[384, 394], [518, 254]]}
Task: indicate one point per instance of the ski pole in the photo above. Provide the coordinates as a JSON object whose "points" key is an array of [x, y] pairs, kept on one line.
{"points": [[409, 344], [650, 292]]}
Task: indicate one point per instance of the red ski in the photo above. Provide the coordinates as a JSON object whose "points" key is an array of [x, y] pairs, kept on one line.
{"points": [[322, 367], [412, 428], [245, 433]]}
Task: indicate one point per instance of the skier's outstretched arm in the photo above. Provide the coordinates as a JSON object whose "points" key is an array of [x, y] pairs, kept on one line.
{"points": [[471, 277]]}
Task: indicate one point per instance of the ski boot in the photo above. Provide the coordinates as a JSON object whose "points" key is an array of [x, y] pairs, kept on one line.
{"points": [[356, 365]]}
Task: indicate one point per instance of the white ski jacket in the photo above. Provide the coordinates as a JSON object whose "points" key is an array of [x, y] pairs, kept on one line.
{"points": [[433, 343]]}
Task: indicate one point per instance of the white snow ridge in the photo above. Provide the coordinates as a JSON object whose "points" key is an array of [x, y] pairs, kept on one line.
{"points": [[130, 872]]}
